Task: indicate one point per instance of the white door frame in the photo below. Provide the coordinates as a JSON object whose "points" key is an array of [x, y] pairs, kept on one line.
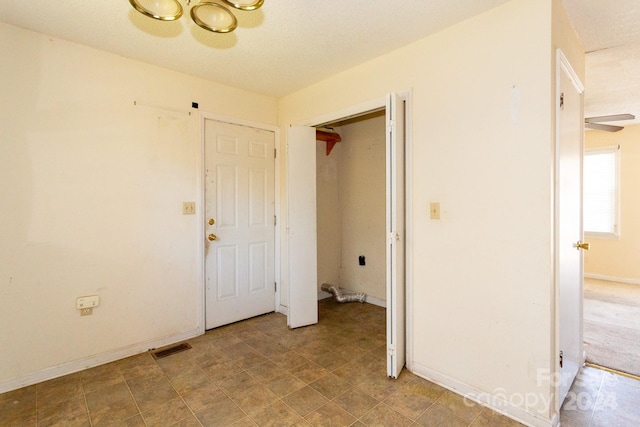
{"points": [[200, 203], [563, 66], [359, 110]]}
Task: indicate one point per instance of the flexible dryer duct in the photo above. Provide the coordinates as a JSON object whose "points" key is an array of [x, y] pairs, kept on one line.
{"points": [[340, 297]]}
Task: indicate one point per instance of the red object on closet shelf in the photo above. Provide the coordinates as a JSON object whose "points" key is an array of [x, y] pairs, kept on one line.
{"points": [[328, 136]]}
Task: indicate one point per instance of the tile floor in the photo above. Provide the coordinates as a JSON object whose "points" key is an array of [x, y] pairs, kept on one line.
{"points": [[258, 372], [602, 399]]}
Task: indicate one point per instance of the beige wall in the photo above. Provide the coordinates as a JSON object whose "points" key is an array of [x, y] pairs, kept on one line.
{"points": [[351, 208], [329, 214], [482, 141], [91, 191], [618, 258], [363, 200]]}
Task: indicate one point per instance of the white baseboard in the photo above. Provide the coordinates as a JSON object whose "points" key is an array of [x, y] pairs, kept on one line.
{"points": [[92, 361], [491, 401], [283, 309], [371, 300], [376, 301], [612, 279]]}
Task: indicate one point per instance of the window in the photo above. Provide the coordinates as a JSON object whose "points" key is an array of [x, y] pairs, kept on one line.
{"points": [[602, 192]]}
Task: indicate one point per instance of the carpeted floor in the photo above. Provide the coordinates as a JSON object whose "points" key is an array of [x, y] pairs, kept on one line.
{"points": [[612, 325]]}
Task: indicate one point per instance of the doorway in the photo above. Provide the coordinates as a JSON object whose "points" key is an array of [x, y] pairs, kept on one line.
{"points": [[303, 221], [351, 207], [612, 324], [612, 294]]}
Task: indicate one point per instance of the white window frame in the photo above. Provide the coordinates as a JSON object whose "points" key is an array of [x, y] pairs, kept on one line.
{"points": [[616, 214]]}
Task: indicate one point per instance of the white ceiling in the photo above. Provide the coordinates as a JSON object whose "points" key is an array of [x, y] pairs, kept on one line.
{"points": [[289, 44]]}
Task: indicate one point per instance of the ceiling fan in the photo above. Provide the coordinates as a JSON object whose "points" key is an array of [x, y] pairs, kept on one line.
{"points": [[596, 122]]}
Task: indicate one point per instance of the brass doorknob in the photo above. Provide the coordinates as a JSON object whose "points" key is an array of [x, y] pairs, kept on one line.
{"points": [[212, 237], [581, 245]]}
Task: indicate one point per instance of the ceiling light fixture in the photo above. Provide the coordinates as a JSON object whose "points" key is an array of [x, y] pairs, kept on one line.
{"points": [[210, 15]]}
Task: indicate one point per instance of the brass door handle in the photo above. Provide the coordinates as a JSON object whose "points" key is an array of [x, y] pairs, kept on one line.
{"points": [[212, 237], [581, 245]]}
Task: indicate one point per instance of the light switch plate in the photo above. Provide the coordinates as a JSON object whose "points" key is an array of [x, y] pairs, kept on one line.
{"points": [[434, 210], [188, 208]]}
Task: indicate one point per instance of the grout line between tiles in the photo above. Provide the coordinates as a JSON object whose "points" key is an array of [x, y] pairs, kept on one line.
{"points": [[132, 397], [37, 406], [181, 398], [86, 403], [593, 409]]}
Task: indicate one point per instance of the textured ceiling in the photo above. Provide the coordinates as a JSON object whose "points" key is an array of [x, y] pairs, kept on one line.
{"points": [[282, 47], [289, 44], [610, 34]]}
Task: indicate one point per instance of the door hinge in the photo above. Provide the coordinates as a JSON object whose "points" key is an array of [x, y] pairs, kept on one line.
{"points": [[391, 124], [561, 359], [393, 237], [562, 101], [275, 220], [275, 286], [391, 350], [275, 153]]}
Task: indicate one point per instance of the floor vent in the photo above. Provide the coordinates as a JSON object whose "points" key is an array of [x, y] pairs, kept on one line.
{"points": [[159, 354]]}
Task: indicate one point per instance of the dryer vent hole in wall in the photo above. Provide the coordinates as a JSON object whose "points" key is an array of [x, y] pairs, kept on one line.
{"points": [[159, 354]]}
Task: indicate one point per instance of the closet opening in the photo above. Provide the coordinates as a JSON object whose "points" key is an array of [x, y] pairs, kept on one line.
{"points": [[351, 207], [352, 176], [347, 222]]}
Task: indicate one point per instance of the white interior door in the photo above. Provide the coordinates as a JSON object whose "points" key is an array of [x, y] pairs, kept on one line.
{"points": [[239, 198], [569, 225], [396, 299], [302, 227]]}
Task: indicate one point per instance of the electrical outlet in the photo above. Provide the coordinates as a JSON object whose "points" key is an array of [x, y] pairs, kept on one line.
{"points": [[188, 208], [86, 311], [89, 301]]}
